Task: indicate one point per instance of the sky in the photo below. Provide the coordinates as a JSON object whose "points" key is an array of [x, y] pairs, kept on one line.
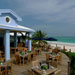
{"points": [[54, 17]]}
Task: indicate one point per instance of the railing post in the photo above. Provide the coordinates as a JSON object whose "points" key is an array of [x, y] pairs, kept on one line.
{"points": [[69, 68]]}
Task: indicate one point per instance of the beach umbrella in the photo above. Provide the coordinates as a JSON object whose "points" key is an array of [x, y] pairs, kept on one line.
{"points": [[47, 39], [50, 39], [37, 38]]}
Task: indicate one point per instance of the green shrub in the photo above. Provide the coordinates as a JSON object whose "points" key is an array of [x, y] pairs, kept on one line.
{"points": [[45, 67], [71, 55]]}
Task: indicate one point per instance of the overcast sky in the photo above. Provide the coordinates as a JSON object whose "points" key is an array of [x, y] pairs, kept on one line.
{"points": [[55, 17]]}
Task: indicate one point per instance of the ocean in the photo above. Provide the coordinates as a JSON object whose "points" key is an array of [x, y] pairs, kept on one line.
{"points": [[66, 39]]}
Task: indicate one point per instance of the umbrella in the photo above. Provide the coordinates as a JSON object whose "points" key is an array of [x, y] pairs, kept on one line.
{"points": [[48, 39], [38, 38], [51, 39]]}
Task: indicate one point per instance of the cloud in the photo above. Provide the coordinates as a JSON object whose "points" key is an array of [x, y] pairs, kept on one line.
{"points": [[47, 10], [52, 16]]}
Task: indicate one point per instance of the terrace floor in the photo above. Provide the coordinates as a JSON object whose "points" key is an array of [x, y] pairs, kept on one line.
{"points": [[22, 70]]}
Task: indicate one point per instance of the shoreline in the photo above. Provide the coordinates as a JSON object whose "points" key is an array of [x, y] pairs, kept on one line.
{"points": [[68, 46]]}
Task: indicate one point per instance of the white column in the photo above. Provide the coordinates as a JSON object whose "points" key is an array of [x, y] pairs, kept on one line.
{"points": [[15, 39], [26, 42], [29, 44], [7, 45]]}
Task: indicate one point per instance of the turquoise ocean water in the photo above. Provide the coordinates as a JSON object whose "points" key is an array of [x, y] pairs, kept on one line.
{"points": [[66, 39]]}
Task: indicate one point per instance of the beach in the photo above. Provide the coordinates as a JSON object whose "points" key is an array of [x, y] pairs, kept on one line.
{"points": [[61, 45]]}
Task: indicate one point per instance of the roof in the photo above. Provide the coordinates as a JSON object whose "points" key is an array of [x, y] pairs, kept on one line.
{"points": [[17, 28], [26, 28], [11, 12]]}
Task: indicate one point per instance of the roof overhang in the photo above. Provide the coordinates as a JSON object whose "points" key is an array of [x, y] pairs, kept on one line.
{"points": [[17, 28]]}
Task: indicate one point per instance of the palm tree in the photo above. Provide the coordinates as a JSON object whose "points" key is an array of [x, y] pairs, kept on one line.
{"points": [[24, 37], [39, 36]]}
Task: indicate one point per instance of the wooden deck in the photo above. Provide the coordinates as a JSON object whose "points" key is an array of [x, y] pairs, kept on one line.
{"points": [[22, 70]]}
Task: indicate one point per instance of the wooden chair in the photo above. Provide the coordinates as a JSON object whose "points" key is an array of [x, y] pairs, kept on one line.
{"points": [[39, 50], [4, 70], [34, 55], [59, 58], [50, 61], [29, 58], [30, 72], [21, 60], [54, 62], [58, 72], [8, 70], [20, 44], [25, 49], [35, 63], [2, 54], [47, 57], [17, 59]]}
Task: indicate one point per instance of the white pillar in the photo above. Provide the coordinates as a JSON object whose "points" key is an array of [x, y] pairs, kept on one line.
{"points": [[7, 45], [15, 39], [29, 44], [26, 42]]}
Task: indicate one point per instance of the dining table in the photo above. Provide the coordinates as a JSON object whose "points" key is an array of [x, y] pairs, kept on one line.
{"points": [[24, 55], [49, 71], [53, 55]]}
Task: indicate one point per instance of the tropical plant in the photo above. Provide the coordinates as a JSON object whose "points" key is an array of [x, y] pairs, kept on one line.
{"points": [[39, 36], [71, 55], [24, 37]]}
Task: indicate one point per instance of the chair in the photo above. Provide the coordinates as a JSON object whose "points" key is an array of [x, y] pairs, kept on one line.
{"points": [[21, 60], [4, 72], [7, 70], [35, 63], [29, 58], [58, 72], [39, 51], [59, 58], [30, 72], [34, 55], [54, 62], [17, 59], [25, 49], [20, 44], [47, 57], [50, 60]]}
